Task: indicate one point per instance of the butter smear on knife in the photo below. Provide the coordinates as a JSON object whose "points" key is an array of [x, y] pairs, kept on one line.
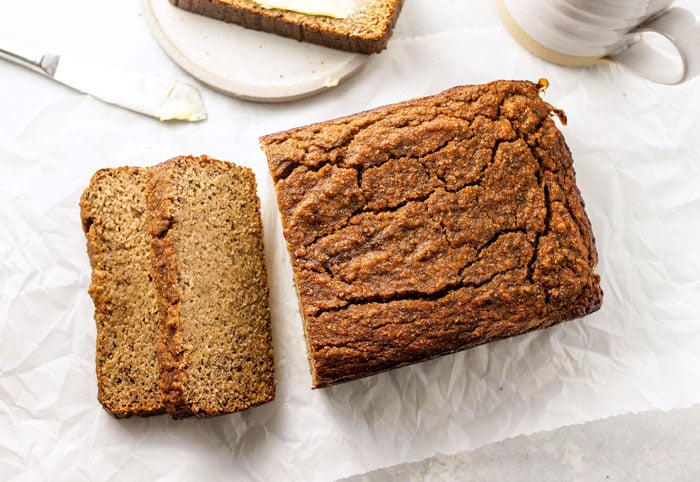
{"points": [[181, 103], [159, 97]]}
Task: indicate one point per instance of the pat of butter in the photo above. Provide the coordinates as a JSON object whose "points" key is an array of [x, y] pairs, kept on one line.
{"points": [[322, 8], [182, 102]]}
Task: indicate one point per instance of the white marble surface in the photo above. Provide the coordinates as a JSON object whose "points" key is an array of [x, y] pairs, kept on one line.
{"points": [[636, 147]]}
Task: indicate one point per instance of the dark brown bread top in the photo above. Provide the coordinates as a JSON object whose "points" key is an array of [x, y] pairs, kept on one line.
{"points": [[430, 226], [112, 210], [365, 31], [215, 352]]}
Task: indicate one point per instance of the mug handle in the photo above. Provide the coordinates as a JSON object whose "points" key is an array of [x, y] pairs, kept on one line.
{"points": [[680, 28]]}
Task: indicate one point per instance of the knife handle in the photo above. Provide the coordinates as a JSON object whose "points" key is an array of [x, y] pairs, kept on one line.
{"points": [[30, 57]]}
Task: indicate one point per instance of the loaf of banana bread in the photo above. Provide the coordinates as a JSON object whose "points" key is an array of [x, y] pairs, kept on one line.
{"points": [[366, 29], [430, 226], [113, 214], [215, 349]]}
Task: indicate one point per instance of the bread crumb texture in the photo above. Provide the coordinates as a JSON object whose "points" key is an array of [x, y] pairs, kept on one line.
{"points": [[113, 213], [216, 349], [430, 226], [180, 289]]}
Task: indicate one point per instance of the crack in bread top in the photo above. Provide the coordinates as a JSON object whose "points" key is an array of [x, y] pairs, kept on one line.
{"points": [[403, 210]]}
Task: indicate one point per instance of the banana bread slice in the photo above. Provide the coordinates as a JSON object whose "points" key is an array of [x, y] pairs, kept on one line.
{"points": [[366, 30], [113, 214], [431, 226], [215, 349]]}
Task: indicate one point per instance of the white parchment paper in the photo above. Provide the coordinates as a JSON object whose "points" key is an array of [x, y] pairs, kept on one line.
{"points": [[636, 148]]}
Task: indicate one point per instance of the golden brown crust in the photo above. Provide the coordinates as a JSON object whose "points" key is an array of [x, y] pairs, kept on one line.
{"points": [[430, 226], [164, 274], [367, 32]]}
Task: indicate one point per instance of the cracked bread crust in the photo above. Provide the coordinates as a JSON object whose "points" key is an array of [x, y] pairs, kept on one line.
{"points": [[215, 348], [431, 226], [366, 31]]}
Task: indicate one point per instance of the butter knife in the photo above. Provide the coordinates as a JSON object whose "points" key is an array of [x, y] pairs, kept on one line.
{"points": [[158, 97]]}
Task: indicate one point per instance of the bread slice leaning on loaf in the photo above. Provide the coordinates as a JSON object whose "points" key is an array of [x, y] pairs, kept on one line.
{"points": [[113, 214], [366, 30], [215, 349]]}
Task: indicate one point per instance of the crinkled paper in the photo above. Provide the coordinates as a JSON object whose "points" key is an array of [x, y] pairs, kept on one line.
{"points": [[636, 148]]}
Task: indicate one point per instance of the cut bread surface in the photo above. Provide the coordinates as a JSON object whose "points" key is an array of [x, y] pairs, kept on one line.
{"points": [[180, 289], [113, 213], [207, 249]]}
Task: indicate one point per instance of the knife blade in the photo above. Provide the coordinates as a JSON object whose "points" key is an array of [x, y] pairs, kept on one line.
{"points": [[162, 98]]}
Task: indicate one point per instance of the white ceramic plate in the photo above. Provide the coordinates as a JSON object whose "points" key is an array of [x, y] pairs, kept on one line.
{"points": [[245, 63]]}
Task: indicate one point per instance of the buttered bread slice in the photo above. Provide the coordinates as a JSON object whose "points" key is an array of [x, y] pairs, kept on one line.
{"points": [[362, 26]]}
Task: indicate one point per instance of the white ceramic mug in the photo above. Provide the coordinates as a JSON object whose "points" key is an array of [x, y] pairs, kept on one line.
{"points": [[654, 39]]}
